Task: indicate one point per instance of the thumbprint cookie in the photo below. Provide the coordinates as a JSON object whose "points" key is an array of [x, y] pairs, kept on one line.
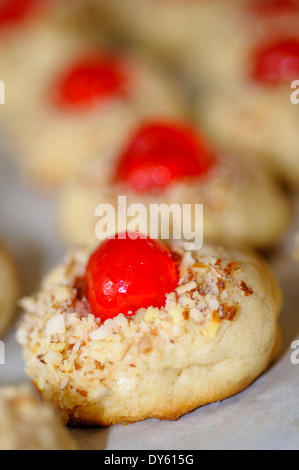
{"points": [[173, 164], [137, 329], [251, 109], [86, 106]]}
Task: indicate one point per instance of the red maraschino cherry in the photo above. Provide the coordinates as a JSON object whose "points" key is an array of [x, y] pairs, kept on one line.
{"points": [[277, 63], [128, 273], [93, 79], [160, 153], [15, 11]]}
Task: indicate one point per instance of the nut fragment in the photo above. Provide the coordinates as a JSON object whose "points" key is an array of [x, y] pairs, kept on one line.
{"points": [[190, 286], [145, 345], [245, 289]]}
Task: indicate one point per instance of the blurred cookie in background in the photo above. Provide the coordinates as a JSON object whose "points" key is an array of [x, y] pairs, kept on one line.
{"points": [[9, 290], [27, 424], [236, 35], [86, 107], [170, 163], [250, 65], [35, 37]]}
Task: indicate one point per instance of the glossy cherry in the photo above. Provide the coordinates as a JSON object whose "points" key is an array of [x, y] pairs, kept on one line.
{"points": [[277, 62], [91, 80], [126, 274], [15, 11], [160, 153]]}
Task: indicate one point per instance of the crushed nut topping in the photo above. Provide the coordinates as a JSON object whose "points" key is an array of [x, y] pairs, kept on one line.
{"points": [[77, 346], [221, 284], [230, 268], [245, 289], [227, 312]]}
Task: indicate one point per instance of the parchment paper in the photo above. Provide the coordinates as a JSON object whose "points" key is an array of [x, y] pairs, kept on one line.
{"points": [[265, 416]]}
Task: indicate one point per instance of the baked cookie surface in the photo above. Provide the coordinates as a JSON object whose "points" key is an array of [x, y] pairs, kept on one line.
{"points": [[27, 424], [217, 332], [9, 290], [149, 22]]}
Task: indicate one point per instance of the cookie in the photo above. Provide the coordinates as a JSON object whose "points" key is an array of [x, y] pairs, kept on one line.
{"points": [[140, 330], [254, 93], [255, 24], [9, 290], [35, 36], [67, 125], [175, 166], [27, 424]]}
